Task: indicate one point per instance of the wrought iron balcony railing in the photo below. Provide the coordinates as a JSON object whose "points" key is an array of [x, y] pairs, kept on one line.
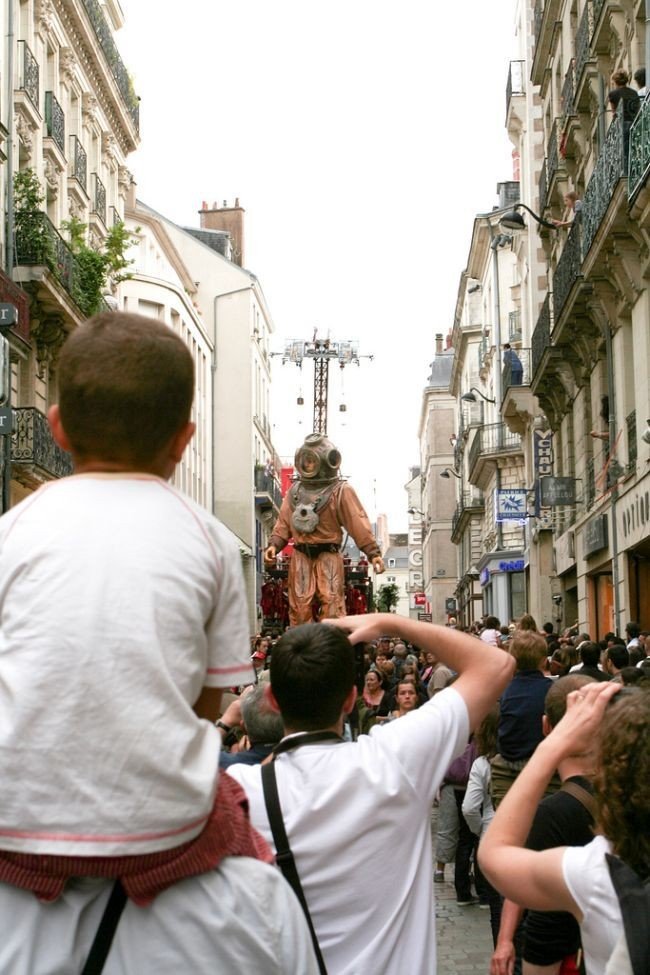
{"points": [[538, 17], [543, 186], [514, 326], [113, 59], [610, 167], [265, 483], [98, 197], [541, 338], [639, 150], [38, 242], [483, 350], [583, 41], [32, 443], [114, 216], [516, 374], [55, 120], [598, 6], [29, 73], [491, 440], [553, 153], [590, 484], [79, 162], [632, 454], [515, 82], [467, 504], [568, 269], [568, 92]]}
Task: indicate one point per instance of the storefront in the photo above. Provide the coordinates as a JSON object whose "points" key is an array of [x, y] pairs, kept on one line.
{"points": [[503, 582]]}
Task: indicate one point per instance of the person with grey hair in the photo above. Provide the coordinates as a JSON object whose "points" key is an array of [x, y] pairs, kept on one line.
{"points": [[262, 727]]}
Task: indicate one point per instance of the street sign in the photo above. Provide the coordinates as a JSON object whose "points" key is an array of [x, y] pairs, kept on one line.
{"points": [[425, 617], [6, 421], [557, 491], [511, 504], [8, 315]]}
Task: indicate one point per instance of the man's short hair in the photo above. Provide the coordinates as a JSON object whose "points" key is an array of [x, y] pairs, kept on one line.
{"points": [[618, 656], [633, 629], [589, 653], [263, 725], [555, 700], [528, 648], [639, 77], [312, 673], [126, 385]]}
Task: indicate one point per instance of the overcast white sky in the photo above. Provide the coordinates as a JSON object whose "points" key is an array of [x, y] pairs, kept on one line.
{"points": [[361, 137]]}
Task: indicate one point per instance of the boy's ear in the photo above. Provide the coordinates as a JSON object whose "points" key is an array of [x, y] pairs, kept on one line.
{"points": [[59, 434], [180, 441]]}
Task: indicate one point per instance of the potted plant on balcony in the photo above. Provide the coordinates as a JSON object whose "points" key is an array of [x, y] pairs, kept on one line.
{"points": [[32, 242], [97, 268]]}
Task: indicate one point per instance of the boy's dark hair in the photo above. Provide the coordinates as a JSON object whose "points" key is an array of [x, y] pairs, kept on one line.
{"points": [[126, 385], [312, 673], [639, 77], [555, 700], [633, 629], [492, 623], [548, 628], [618, 655], [529, 649], [590, 653]]}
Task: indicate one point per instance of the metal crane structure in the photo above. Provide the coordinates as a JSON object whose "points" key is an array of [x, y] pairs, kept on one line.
{"points": [[322, 351]]}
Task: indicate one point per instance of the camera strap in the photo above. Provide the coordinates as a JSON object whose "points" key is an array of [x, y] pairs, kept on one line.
{"points": [[104, 936], [284, 855]]}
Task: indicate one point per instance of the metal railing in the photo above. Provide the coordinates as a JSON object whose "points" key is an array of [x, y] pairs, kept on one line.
{"points": [[538, 17], [29, 73], [583, 42], [493, 439], [514, 326], [79, 162], [590, 484], [466, 503], [515, 82], [568, 269], [610, 167], [265, 483], [98, 197], [32, 443], [632, 454], [598, 6], [543, 186], [483, 350], [38, 242], [113, 59], [553, 153], [516, 373], [541, 337], [55, 120], [639, 150], [115, 217], [568, 92]]}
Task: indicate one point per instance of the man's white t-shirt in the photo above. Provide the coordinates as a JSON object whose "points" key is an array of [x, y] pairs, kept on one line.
{"points": [[241, 917], [357, 815], [120, 599]]}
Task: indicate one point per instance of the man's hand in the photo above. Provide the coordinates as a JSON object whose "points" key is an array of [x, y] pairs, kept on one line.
{"points": [[232, 715], [502, 961], [270, 554], [378, 564], [575, 733], [365, 628]]}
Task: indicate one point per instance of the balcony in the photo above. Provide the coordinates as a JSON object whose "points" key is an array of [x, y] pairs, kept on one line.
{"points": [[55, 121], [543, 186], [514, 326], [610, 168], [541, 338], [568, 271], [632, 450], [29, 74], [116, 65], [583, 43], [79, 162], [490, 442], [518, 402], [35, 457], [568, 94], [516, 374], [545, 24], [553, 159], [469, 505], [267, 490], [98, 198], [639, 151], [514, 86]]}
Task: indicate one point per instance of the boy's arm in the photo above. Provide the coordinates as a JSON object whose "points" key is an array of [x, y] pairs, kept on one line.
{"points": [[503, 957], [535, 878], [208, 705], [484, 671]]}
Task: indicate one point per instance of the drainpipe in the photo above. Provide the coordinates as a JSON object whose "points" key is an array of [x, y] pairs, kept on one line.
{"points": [[614, 491], [213, 371], [9, 189], [495, 243]]}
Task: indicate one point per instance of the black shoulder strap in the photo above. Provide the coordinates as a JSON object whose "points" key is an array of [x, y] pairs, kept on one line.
{"points": [[284, 856], [104, 937], [633, 896]]}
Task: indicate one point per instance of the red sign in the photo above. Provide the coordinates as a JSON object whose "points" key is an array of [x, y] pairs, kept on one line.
{"points": [[419, 599]]}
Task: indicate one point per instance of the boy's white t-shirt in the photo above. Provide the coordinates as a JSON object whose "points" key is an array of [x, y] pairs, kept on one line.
{"points": [[120, 599]]}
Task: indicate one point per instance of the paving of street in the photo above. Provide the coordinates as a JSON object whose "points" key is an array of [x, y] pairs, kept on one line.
{"points": [[463, 933]]}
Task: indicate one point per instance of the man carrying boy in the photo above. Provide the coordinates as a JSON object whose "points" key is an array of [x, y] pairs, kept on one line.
{"points": [[123, 616]]}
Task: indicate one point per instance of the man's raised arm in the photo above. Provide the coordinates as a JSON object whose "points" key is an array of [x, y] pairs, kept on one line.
{"points": [[484, 671]]}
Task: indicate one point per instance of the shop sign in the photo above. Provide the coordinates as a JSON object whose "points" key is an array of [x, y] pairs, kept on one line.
{"points": [[511, 504], [484, 577], [513, 565], [543, 462], [557, 491], [594, 536], [419, 599]]}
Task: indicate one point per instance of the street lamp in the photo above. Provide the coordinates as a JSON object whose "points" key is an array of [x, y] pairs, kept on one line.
{"points": [[416, 511], [513, 220], [471, 398], [447, 471]]}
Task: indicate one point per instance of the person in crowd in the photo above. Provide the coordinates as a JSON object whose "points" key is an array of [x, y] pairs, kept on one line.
{"points": [[491, 631], [373, 703], [590, 657], [639, 81], [549, 633], [565, 817], [406, 699], [111, 683], [477, 808], [527, 622], [574, 204], [260, 724], [345, 803], [560, 662], [455, 842], [511, 359], [440, 676], [622, 99], [616, 659], [632, 631], [521, 709], [578, 879]]}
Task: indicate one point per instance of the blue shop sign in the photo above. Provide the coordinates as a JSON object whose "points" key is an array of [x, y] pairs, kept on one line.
{"points": [[514, 565]]}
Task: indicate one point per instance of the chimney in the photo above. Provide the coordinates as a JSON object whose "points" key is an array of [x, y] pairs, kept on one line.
{"points": [[229, 219], [448, 342], [439, 343]]}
